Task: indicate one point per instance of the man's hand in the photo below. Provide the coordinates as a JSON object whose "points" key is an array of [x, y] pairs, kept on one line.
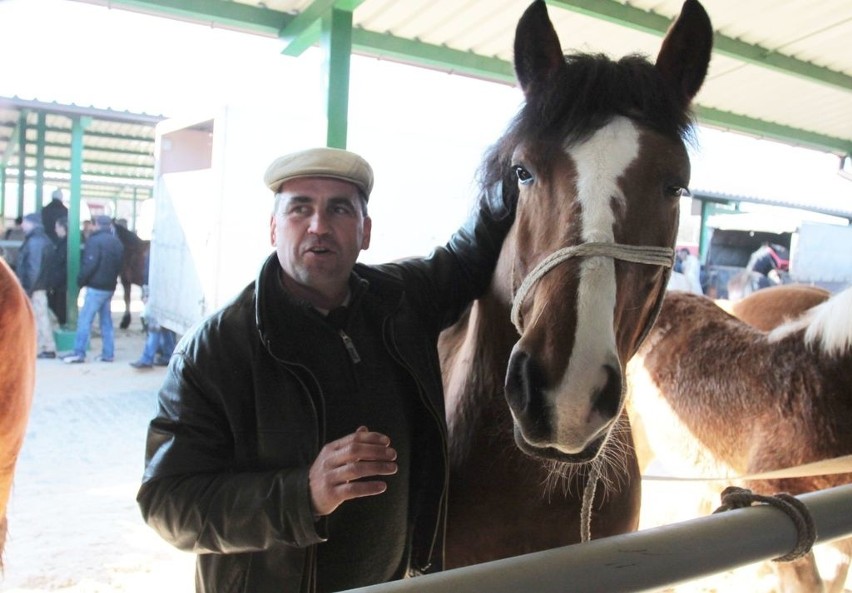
{"points": [[335, 475]]}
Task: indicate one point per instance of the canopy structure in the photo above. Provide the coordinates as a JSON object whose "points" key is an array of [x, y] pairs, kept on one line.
{"points": [[779, 70]]}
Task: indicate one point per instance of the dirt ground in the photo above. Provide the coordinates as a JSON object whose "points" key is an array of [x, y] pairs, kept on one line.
{"points": [[74, 523]]}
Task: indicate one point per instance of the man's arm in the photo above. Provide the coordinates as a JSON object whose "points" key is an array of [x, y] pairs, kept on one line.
{"points": [[191, 493]]}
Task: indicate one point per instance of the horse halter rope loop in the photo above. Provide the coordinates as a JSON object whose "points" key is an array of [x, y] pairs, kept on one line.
{"points": [[641, 254]]}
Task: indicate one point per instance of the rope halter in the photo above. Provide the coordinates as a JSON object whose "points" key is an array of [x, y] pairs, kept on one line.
{"points": [[640, 254]]}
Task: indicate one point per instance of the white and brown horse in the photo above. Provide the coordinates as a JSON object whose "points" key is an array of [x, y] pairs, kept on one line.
{"points": [[733, 400], [598, 159], [17, 379]]}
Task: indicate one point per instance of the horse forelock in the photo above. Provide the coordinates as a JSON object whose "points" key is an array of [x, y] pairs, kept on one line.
{"points": [[584, 96]]}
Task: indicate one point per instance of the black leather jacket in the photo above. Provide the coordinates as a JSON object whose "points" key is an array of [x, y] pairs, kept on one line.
{"points": [[239, 419]]}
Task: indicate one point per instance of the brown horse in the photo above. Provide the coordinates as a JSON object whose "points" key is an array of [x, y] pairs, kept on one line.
{"points": [[742, 401], [17, 379], [598, 158], [134, 266]]}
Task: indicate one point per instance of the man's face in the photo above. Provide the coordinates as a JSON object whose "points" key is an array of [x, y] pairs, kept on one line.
{"points": [[318, 229]]}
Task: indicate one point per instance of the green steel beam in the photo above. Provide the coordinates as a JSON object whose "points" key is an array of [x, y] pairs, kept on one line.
{"points": [[652, 22], [336, 42], [22, 159], [782, 133], [78, 126], [40, 146], [305, 29]]}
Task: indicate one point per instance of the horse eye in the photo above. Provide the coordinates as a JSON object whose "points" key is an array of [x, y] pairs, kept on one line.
{"points": [[524, 176], [677, 191]]}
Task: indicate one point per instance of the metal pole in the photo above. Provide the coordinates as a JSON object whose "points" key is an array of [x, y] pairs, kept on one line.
{"points": [[647, 560]]}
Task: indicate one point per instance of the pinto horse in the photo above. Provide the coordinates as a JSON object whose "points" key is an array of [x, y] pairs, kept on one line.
{"points": [[718, 393], [598, 158], [17, 379], [134, 266]]}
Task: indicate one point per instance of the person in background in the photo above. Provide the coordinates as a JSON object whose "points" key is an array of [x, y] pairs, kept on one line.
{"points": [[13, 233], [691, 268], [35, 261], [160, 341], [52, 212], [99, 269], [300, 442], [58, 276]]}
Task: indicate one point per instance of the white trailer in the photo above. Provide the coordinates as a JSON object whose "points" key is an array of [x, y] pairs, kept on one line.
{"points": [[211, 222]]}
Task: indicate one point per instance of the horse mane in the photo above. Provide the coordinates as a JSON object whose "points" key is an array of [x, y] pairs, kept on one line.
{"points": [[827, 326], [585, 95], [126, 236]]}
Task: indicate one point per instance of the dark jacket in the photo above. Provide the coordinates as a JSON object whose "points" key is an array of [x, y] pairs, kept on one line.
{"points": [[35, 260], [50, 214], [101, 262], [240, 420]]}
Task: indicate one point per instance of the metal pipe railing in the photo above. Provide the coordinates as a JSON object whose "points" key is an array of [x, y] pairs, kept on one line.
{"points": [[647, 560]]}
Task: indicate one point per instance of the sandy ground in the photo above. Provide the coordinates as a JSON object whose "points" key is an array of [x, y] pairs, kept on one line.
{"points": [[74, 523]]}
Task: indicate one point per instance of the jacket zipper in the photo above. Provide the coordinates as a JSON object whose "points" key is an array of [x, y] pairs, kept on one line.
{"points": [[350, 347]]}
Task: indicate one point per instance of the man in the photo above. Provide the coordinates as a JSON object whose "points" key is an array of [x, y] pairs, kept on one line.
{"points": [[300, 443], [690, 267], [52, 212], [99, 268], [58, 275], [35, 260]]}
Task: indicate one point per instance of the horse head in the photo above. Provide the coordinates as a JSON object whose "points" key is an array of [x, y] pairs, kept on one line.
{"points": [[598, 155]]}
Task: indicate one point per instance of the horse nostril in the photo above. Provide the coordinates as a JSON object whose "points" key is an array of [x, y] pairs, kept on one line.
{"points": [[524, 383], [607, 401]]}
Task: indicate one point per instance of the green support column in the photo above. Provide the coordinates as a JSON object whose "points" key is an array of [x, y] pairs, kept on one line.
{"points": [[78, 126], [336, 43], [22, 160], [39, 180]]}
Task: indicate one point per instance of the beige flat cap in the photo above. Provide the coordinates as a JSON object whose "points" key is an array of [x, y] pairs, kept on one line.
{"points": [[321, 162]]}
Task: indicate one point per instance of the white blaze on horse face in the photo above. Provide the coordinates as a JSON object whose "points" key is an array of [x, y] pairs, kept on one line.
{"points": [[600, 162]]}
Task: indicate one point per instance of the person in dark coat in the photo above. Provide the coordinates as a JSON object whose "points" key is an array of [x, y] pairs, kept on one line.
{"points": [[301, 442], [53, 212], [35, 260], [99, 269], [58, 275]]}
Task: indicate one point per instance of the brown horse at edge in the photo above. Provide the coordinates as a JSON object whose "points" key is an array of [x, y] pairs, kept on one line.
{"points": [[17, 379]]}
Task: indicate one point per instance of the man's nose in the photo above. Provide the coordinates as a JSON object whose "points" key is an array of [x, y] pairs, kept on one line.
{"points": [[319, 223]]}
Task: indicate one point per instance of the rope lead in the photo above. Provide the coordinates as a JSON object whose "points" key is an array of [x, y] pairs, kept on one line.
{"points": [[734, 497]]}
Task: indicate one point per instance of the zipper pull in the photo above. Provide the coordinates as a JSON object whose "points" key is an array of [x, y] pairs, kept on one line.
{"points": [[350, 347]]}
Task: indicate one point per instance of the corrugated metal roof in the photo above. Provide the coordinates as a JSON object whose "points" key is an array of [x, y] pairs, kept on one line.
{"points": [[117, 152], [780, 70]]}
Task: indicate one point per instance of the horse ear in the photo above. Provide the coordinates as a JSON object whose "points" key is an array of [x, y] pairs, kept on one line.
{"points": [[538, 54], [685, 53]]}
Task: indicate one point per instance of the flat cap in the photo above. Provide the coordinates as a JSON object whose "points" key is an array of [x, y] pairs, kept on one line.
{"points": [[321, 162], [103, 220]]}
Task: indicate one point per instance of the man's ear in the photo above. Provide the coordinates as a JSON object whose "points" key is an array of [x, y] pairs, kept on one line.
{"points": [[368, 227], [272, 236]]}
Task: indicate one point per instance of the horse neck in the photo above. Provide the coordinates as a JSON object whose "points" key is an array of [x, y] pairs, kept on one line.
{"points": [[474, 371]]}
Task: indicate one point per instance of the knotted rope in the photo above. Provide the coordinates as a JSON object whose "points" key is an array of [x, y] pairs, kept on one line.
{"points": [[641, 254], [734, 497]]}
